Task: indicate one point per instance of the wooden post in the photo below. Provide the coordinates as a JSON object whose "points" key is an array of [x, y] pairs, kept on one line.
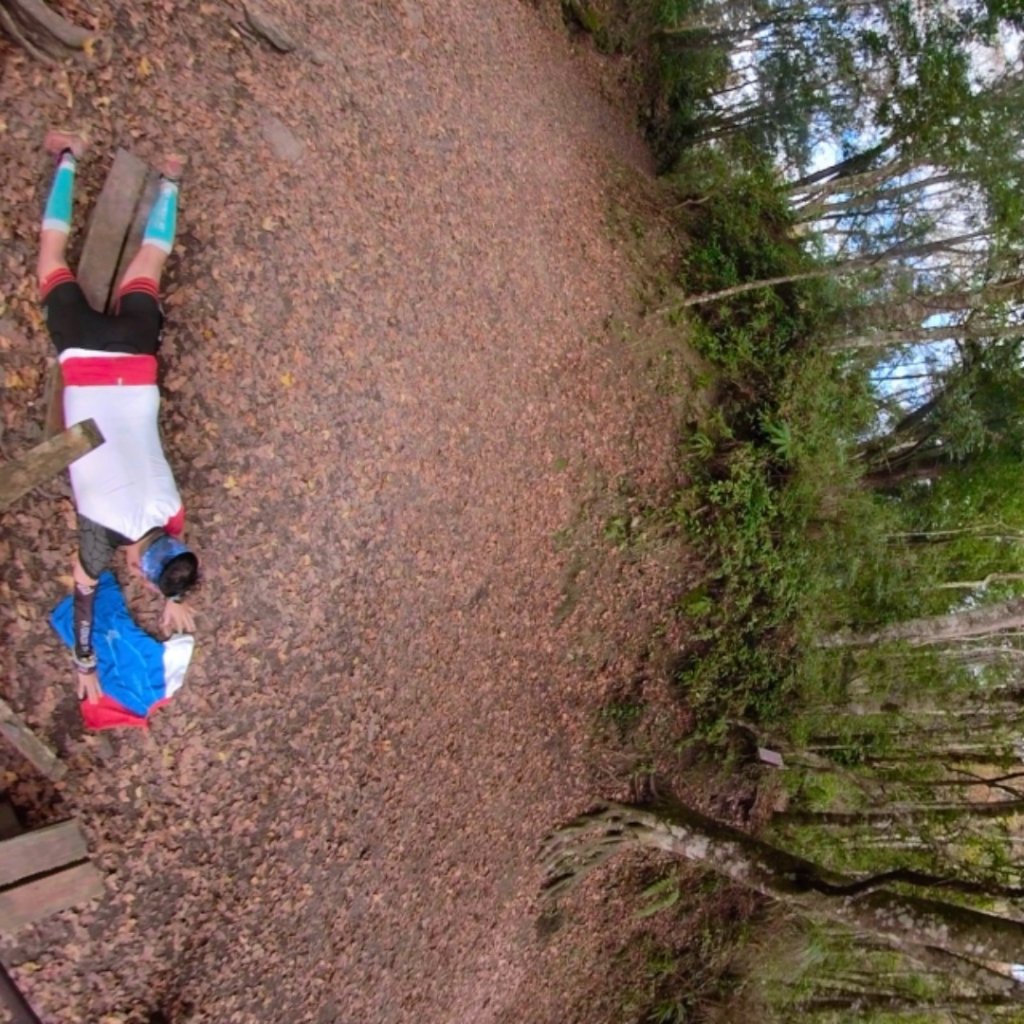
{"points": [[45, 460], [30, 746], [16, 479]]}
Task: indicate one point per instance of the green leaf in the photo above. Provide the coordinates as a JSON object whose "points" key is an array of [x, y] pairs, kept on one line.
{"points": [[664, 895]]}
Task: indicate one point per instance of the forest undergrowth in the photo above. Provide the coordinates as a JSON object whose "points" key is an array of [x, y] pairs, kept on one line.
{"points": [[852, 273]]}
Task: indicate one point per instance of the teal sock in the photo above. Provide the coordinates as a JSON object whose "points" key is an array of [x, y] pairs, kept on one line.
{"points": [[57, 215], [163, 217]]}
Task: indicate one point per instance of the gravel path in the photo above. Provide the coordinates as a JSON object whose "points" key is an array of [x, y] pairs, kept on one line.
{"points": [[388, 391]]}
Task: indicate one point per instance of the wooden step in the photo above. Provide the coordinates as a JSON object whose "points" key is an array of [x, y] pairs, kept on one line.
{"points": [[44, 871]]}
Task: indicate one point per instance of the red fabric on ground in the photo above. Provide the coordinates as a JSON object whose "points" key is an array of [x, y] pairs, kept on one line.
{"points": [[107, 713]]}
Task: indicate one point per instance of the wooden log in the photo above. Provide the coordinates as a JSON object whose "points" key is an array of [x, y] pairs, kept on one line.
{"points": [[41, 851], [31, 901], [46, 460], [30, 746], [108, 227]]}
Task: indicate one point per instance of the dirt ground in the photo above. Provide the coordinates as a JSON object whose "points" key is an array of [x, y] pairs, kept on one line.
{"points": [[400, 422]]}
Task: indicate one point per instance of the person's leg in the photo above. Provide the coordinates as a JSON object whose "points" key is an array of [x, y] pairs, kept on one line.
{"points": [[158, 238], [53, 238], [139, 318], [69, 317]]}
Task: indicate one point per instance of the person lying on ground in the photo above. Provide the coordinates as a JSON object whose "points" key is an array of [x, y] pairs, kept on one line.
{"points": [[124, 491]]}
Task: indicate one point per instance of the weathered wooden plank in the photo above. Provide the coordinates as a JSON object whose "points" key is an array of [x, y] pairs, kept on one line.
{"points": [[38, 464], [28, 744], [44, 896], [41, 850], [110, 222]]}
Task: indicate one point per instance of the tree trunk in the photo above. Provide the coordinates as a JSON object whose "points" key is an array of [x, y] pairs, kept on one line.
{"points": [[890, 479], [936, 629], [860, 1003], [845, 168], [904, 250], [912, 310], [887, 817], [997, 532], [865, 181], [992, 577], [749, 286], [574, 850], [927, 336], [866, 201]]}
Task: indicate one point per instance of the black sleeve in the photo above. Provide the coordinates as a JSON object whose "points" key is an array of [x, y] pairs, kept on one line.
{"points": [[85, 598], [96, 546]]}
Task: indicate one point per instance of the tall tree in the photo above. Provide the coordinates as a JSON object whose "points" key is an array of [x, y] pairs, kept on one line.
{"points": [[865, 904]]}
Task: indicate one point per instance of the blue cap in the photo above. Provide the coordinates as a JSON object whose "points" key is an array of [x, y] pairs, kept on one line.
{"points": [[155, 558]]}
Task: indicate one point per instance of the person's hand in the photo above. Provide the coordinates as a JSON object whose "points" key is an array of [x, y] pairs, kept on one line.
{"points": [[89, 686], [177, 618]]}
